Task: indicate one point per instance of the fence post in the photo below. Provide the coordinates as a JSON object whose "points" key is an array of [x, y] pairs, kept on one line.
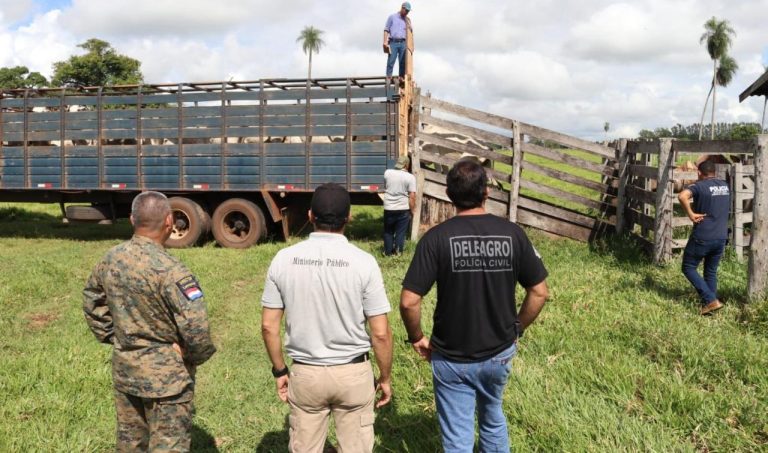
{"points": [[662, 226], [517, 164], [622, 157], [737, 207], [416, 164], [758, 245]]}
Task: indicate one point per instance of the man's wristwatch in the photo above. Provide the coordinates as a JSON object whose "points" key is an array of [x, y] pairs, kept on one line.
{"points": [[279, 373]]}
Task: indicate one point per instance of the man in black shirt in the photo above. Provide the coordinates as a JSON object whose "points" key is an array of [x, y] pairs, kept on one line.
{"points": [[476, 259], [709, 214]]}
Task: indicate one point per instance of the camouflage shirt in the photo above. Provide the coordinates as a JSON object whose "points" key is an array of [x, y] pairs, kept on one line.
{"points": [[142, 300]]}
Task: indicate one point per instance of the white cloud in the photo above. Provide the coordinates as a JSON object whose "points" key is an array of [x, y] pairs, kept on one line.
{"points": [[569, 66], [520, 75], [12, 11]]}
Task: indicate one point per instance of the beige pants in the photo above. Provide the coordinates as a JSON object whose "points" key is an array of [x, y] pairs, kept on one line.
{"points": [[346, 391]]}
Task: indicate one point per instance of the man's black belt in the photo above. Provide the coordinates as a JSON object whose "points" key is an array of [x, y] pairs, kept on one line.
{"points": [[359, 359], [397, 39]]}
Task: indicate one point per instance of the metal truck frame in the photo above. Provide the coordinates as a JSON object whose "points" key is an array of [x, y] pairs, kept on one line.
{"points": [[224, 153]]}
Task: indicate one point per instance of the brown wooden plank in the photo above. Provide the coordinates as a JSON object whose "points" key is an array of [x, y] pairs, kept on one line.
{"points": [[561, 213], [476, 133], [567, 140], [643, 147], [714, 146], [638, 194], [560, 228], [448, 162], [543, 189], [463, 148], [437, 191], [645, 221], [681, 222], [567, 177], [439, 178], [473, 114], [540, 151], [679, 243], [644, 171], [685, 175], [743, 217]]}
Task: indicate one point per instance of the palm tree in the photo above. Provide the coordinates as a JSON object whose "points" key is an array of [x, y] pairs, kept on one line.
{"points": [[606, 128], [717, 34], [311, 42], [725, 71]]}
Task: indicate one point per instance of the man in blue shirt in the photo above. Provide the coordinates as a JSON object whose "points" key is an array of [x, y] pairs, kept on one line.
{"points": [[709, 214], [395, 34]]}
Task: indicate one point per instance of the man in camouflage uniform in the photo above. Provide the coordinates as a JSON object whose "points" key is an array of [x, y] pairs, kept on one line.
{"points": [[150, 308]]}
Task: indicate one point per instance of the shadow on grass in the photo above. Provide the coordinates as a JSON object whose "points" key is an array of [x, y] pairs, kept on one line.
{"points": [[366, 225], [19, 223], [396, 433], [202, 441]]}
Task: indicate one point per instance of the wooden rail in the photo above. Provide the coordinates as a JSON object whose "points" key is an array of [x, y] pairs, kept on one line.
{"points": [[528, 177]]}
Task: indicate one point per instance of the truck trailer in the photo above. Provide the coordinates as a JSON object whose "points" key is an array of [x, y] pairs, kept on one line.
{"points": [[238, 159]]}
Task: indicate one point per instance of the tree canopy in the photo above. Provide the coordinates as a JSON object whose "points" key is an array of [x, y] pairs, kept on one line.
{"points": [[100, 66], [311, 42], [20, 77], [723, 131]]}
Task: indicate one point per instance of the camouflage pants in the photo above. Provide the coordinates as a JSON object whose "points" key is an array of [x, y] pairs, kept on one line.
{"points": [[154, 424]]}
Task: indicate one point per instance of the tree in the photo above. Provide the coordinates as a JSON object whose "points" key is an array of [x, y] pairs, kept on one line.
{"points": [[311, 42], [606, 128], [100, 66], [717, 35], [20, 77]]}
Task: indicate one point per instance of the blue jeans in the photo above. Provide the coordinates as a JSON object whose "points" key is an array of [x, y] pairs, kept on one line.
{"points": [[460, 387], [396, 52], [395, 228], [710, 251]]}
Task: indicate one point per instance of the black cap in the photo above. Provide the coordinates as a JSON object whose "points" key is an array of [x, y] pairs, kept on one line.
{"points": [[330, 204]]}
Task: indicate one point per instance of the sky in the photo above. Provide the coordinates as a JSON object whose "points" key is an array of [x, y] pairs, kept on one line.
{"points": [[560, 64]]}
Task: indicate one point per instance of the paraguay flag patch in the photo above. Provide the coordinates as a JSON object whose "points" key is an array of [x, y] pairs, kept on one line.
{"points": [[190, 288]]}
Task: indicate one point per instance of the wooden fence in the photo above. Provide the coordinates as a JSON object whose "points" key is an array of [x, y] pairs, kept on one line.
{"points": [[540, 178], [743, 195], [651, 176]]}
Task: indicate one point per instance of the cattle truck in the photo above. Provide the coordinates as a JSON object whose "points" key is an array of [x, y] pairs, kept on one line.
{"points": [[238, 159]]}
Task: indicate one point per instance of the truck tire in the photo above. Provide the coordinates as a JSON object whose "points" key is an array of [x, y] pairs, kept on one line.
{"points": [[238, 224], [89, 213], [190, 223]]}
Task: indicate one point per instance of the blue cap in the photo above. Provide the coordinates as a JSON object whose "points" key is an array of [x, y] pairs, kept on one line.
{"points": [[407, 6]]}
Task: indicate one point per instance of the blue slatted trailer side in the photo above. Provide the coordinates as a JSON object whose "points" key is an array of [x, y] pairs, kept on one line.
{"points": [[268, 142]]}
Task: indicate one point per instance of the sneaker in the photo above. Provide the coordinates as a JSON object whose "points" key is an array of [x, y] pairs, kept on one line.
{"points": [[711, 307]]}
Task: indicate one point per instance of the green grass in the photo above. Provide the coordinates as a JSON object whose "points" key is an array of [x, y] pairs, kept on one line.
{"points": [[618, 361]]}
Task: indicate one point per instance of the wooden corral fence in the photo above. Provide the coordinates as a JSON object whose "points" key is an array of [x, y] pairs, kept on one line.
{"points": [[652, 178], [540, 178], [648, 209]]}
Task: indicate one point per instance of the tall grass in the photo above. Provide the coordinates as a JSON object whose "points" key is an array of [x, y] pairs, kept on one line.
{"points": [[618, 361]]}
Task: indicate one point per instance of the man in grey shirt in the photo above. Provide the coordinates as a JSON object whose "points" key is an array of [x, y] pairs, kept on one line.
{"points": [[399, 202], [328, 290]]}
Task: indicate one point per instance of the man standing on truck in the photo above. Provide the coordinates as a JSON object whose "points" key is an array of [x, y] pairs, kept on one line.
{"points": [[150, 308], [328, 289], [709, 214], [399, 201], [477, 260], [395, 35]]}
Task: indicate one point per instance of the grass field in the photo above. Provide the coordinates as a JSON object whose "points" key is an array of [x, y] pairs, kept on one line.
{"points": [[618, 361]]}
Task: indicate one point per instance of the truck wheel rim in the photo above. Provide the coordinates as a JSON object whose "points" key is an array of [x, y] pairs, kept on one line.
{"points": [[237, 226], [181, 223]]}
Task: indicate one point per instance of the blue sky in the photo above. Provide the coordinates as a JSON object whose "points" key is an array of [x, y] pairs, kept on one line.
{"points": [[563, 64]]}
